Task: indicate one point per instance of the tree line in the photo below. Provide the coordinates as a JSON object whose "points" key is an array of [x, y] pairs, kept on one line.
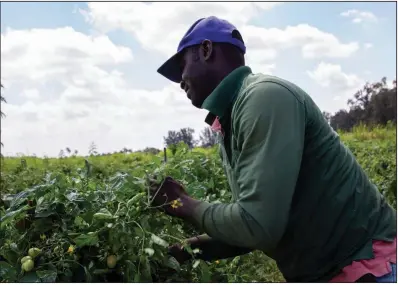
{"points": [[375, 104]]}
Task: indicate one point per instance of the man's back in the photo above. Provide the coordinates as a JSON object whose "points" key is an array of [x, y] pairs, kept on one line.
{"points": [[335, 210]]}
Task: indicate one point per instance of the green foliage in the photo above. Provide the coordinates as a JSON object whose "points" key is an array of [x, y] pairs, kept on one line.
{"points": [[79, 212], [374, 104]]}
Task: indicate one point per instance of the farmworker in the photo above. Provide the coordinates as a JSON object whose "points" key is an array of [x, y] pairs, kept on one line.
{"points": [[299, 195]]}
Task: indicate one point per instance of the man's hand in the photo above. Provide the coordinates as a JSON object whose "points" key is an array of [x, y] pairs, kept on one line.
{"points": [[210, 249], [171, 197], [180, 253]]}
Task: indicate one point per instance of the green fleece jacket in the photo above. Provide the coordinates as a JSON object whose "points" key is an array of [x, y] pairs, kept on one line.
{"points": [[299, 195]]}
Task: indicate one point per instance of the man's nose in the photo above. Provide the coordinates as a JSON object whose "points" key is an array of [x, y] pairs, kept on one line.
{"points": [[182, 84]]}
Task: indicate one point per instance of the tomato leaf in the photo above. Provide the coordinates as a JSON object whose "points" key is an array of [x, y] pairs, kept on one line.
{"points": [[47, 276], [159, 241], [173, 263], [86, 240], [149, 251], [7, 272], [9, 216], [30, 277]]}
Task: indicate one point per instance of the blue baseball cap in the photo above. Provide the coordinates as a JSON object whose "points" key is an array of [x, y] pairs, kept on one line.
{"points": [[210, 28]]}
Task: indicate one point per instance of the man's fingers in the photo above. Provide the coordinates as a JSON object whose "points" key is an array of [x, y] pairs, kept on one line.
{"points": [[179, 253], [175, 248], [159, 199], [153, 183], [154, 186]]}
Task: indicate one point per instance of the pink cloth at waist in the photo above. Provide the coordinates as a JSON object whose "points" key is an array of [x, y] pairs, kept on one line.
{"points": [[385, 253]]}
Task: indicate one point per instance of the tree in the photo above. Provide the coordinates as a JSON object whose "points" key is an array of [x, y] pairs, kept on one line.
{"points": [[384, 105], [184, 135], [342, 120], [126, 150], [207, 138], [92, 149], [150, 150], [2, 115], [374, 104], [172, 138]]}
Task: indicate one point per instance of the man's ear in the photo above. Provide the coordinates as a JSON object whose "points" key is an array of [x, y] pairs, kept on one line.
{"points": [[206, 49]]}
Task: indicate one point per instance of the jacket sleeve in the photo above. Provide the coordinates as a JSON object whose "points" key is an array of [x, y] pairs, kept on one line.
{"points": [[269, 129], [214, 249]]}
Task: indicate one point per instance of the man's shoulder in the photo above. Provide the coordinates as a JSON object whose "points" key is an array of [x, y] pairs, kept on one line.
{"points": [[261, 83]]}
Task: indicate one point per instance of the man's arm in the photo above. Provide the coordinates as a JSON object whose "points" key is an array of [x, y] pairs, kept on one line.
{"points": [[269, 127], [212, 249]]}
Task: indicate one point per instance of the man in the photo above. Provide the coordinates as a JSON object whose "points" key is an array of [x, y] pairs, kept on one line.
{"points": [[298, 193]]}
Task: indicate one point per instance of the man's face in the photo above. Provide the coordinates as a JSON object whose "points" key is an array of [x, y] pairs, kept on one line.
{"points": [[197, 80]]}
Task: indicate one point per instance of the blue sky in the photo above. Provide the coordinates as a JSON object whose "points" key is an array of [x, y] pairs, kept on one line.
{"points": [[97, 80]]}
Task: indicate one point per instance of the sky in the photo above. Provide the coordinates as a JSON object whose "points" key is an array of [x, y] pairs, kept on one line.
{"points": [[80, 72]]}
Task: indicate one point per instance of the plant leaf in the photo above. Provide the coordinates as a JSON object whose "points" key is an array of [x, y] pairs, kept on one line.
{"points": [[159, 241], [195, 264], [31, 277], [149, 251], [7, 272], [47, 276], [86, 240], [4, 220], [173, 263]]}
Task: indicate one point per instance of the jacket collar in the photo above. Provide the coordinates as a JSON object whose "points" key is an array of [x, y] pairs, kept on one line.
{"points": [[225, 93]]}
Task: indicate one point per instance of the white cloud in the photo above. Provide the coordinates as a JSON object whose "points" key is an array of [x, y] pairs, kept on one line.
{"points": [[44, 54], [368, 45], [262, 68], [359, 16], [313, 42], [173, 20], [82, 96], [31, 94], [331, 76]]}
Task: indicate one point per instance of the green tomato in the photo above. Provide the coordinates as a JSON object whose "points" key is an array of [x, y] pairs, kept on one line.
{"points": [[111, 261], [102, 216], [33, 252], [135, 199], [25, 259], [28, 265]]}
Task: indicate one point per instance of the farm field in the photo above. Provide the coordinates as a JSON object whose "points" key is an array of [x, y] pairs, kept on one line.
{"points": [[90, 221]]}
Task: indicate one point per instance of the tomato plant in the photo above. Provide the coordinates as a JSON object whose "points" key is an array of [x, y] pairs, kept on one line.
{"points": [[90, 220]]}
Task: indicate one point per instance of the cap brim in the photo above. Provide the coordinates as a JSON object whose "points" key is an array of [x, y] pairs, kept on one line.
{"points": [[171, 69]]}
